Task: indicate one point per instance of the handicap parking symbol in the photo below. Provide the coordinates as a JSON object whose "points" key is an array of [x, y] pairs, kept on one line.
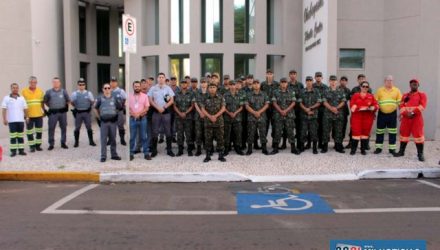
{"points": [[284, 203]]}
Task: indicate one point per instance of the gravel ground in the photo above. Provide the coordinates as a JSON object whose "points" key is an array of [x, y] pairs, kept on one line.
{"points": [[86, 158]]}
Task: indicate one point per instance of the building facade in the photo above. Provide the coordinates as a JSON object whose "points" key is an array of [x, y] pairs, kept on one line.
{"points": [[73, 39]]}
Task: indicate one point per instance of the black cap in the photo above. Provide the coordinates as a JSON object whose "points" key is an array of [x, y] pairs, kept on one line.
{"points": [[242, 77], [212, 84], [203, 79], [292, 71], [333, 78], [256, 81], [309, 78], [81, 80], [194, 79], [344, 78], [318, 74], [173, 78], [113, 79], [183, 81], [283, 79], [187, 77], [226, 77], [238, 80], [250, 76], [232, 82]]}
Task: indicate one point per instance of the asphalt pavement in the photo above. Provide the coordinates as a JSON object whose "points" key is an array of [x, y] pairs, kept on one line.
{"points": [[212, 216]]}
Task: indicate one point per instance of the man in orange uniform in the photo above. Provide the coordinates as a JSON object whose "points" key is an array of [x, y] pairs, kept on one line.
{"points": [[411, 108]]}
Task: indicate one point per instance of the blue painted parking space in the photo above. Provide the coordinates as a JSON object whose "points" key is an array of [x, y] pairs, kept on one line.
{"points": [[286, 203]]}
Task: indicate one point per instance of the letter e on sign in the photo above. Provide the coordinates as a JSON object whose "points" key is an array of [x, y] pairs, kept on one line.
{"points": [[129, 34]]}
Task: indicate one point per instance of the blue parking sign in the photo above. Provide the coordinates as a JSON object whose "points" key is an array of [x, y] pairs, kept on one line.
{"points": [[286, 203]]}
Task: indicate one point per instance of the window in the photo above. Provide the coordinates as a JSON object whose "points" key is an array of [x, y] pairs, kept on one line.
{"points": [[82, 27], [83, 70], [179, 66], [103, 30], [212, 63], [275, 62], [244, 21], [351, 58], [270, 21], [180, 21], [103, 74], [120, 37], [212, 21], [150, 22], [244, 64], [121, 75]]}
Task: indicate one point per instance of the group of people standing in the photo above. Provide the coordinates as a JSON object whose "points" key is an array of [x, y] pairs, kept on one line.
{"points": [[236, 114]]}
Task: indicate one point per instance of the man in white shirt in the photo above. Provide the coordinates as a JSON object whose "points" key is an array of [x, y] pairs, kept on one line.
{"points": [[14, 111]]}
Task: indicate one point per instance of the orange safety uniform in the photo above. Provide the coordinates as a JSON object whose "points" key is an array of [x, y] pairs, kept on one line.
{"points": [[412, 102], [362, 120]]}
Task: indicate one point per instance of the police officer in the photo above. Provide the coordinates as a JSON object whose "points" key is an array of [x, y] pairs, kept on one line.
{"points": [[213, 107], [322, 88], [57, 100], [233, 117], [107, 108], [122, 96], [310, 100], [334, 102], [82, 101], [257, 103], [199, 116], [284, 102], [183, 107]]}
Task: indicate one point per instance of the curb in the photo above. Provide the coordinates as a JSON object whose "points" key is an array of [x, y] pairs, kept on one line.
{"points": [[187, 177], [50, 176]]}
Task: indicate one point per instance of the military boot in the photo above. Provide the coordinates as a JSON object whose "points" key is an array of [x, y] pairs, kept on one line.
{"points": [[401, 150], [76, 135], [354, 145], [284, 145], [238, 150], [199, 150], [293, 149], [308, 145], [340, 148], [154, 147], [208, 157], [190, 150], [301, 146], [180, 152], [227, 149], [122, 136], [420, 151], [324, 148], [221, 157], [90, 135], [170, 152], [364, 143], [264, 149], [274, 150], [315, 147], [249, 149]]}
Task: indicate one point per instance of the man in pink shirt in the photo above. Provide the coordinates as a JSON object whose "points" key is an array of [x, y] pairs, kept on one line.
{"points": [[138, 105]]}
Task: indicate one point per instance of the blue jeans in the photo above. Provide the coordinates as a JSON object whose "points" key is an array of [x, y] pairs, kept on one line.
{"points": [[135, 126]]}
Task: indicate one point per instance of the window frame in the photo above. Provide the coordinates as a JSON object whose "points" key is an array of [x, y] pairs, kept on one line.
{"points": [[352, 49]]}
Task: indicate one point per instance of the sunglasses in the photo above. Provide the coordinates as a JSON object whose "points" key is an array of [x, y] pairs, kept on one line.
{"points": [[106, 88], [81, 84], [365, 87]]}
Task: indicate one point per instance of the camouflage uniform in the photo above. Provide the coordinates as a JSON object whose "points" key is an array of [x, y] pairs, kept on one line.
{"points": [[244, 123], [309, 123], [184, 127], [270, 89], [297, 88], [199, 122], [233, 103], [212, 105], [346, 110], [333, 123], [322, 89], [284, 123], [257, 102]]}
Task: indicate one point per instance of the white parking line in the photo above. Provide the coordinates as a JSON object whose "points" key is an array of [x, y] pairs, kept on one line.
{"points": [[54, 208], [429, 183]]}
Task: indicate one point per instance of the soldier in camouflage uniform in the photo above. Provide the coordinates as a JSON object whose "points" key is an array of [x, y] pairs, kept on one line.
{"points": [[269, 87], [343, 81], [183, 107], [297, 87], [334, 101], [213, 107], [319, 85], [257, 102], [284, 102], [233, 117], [199, 116], [310, 100]]}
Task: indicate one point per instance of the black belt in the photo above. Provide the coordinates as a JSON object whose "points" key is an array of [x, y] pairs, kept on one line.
{"points": [[139, 118]]}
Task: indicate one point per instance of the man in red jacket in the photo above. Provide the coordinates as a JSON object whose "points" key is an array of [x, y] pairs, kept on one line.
{"points": [[411, 112]]}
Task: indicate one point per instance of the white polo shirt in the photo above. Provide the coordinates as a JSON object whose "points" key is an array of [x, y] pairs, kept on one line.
{"points": [[15, 108]]}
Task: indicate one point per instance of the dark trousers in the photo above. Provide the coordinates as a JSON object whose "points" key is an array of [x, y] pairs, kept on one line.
{"points": [[108, 133], [161, 120], [60, 118], [384, 122], [16, 134], [34, 126], [83, 117]]}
